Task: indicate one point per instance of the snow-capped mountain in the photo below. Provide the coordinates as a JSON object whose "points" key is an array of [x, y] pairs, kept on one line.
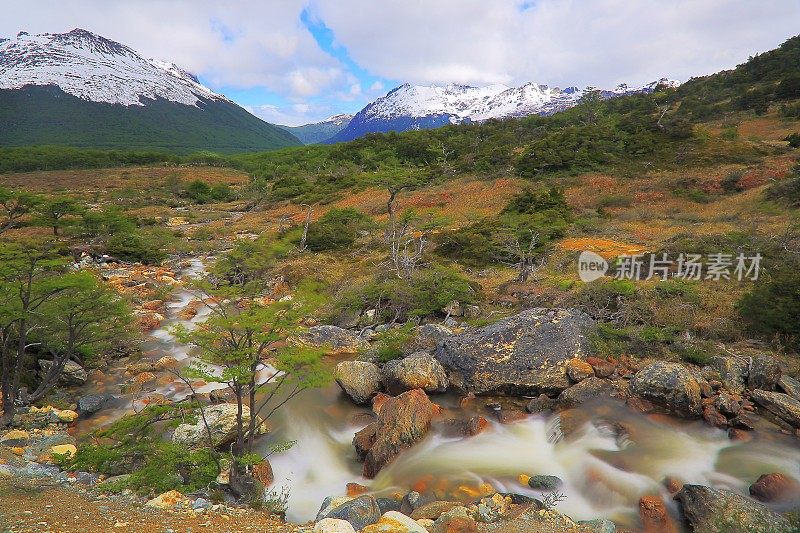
{"points": [[85, 89], [420, 106], [318, 132], [96, 69]]}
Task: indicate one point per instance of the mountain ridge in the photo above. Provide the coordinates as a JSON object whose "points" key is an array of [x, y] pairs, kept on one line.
{"points": [[98, 92]]}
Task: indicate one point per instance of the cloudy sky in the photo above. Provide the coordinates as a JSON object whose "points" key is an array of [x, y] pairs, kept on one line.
{"points": [[298, 61]]}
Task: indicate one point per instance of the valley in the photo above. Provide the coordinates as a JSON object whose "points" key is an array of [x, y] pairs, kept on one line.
{"points": [[394, 334]]}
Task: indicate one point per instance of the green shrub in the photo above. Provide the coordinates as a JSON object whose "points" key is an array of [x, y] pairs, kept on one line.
{"points": [[730, 183], [337, 229], [696, 354], [793, 140], [614, 200], [772, 307], [201, 192], [390, 344], [786, 191], [426, 293], [136, 246]]}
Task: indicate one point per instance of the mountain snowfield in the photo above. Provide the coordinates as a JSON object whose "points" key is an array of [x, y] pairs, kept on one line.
{"points": [[420, 106], [95, 69]]}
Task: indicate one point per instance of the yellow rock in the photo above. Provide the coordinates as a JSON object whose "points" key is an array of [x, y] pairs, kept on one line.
{"points": [[15, 438], [486, 489], [64, 449], [67, 416], [168, 500], [18, 451], [523, 479]]}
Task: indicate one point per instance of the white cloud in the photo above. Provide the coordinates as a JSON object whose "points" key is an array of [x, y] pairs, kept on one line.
{"points": [[291, 115], [581, 42]]}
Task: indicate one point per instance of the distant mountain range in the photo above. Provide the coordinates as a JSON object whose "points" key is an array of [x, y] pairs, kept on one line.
{"points": [[420, 107], [319, 131], [81, 89]]}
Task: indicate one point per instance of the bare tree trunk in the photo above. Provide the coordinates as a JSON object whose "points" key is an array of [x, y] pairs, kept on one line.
{"points": [[305, 228]]}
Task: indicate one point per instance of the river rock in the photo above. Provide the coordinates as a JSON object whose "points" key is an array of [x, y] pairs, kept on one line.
{"points": [[221, 421], [73, 374], [429, 336], [15, 438], [654, 516], [779, 404], [90, 404], [544, 482], [395, 522], [669, 385], [714, 417], [417, 371], [338, 340], [402, 421], [360, 380], [541, 404], [360, 512], [456, 520], [733, 371], [764, 373], [775, 487], [727, 405], [463, 427], [333, 525], [578, 369], [524, 355], [588, 390], [599, 525], [721, 511], [433, 510], [790, 386]]}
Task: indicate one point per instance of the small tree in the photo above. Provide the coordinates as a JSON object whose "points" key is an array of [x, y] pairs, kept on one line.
{"points": [[13, 206], [238, 344], [52, 211]]}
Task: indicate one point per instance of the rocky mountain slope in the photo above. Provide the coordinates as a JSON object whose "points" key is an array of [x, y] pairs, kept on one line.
{"points": [[318, 132], [420, 107], [82, 89]]}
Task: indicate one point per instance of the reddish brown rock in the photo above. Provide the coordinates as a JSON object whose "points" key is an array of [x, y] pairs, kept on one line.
{"points": [[739, 435], [378, 401], [509, 416], [458, 427], [364, 439], [262, 472], [640, 404], [775, 487], [578, 369], [602, 369], [402, 421], [654, 515], [714, 417], [672, 484], [355, 489]]}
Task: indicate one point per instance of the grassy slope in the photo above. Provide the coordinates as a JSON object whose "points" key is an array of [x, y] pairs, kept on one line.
{"points": [[47, 115]]}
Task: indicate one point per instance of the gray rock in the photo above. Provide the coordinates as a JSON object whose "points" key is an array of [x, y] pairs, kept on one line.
{"points": [[92, 403], [541, 404], [360, 380], [417, 371], [472, 311], [201, 503], [543, 482], [360, 512], [588, 390], [733, 371], [72, 375], [727, 405], [721, 511], [339, 340], [764, 373], [669, 385], [790, 386], [388, 504], [525, 354], [779, 404], [221, 421]]}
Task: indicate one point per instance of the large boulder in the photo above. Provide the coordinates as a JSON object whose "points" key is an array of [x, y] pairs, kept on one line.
{"points": [[525, 354], [589, 390], [429, 336], [417, 371], [779, 404], [360, 512], [764, 373], [92, 403], [790, 386], [733, 371], [334, 338], [669, 385], [360, 380], [402, 421], [721, 511], [221, 420], [775, 487], [73, 374]]}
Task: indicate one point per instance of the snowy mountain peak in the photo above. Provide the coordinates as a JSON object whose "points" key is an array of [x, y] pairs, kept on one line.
{"points": [[96, 69], [339, 119]]}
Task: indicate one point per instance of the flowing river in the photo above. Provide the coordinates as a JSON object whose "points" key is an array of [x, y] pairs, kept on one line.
{"points": [[609, 458]]}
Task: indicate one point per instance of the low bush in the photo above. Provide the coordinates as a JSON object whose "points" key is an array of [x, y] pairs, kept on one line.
{"points": [[337, 229]]}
